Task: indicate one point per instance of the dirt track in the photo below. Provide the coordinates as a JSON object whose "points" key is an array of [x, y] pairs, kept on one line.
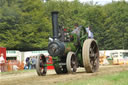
{"points": [[31, 78]]}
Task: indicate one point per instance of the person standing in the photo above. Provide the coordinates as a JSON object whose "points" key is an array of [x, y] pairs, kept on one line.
{"points": [[33, 62], [27, 63], [2, 62], [90, 34], [76, 30], [30, 63]]}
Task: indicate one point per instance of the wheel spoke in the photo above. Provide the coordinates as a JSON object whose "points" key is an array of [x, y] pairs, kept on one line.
{"points": [[41, 67], [90, 55], [94, 47], [71, 62]]}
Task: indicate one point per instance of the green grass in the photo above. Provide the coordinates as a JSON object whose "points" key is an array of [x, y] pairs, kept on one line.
{"points": [[17, 72], [120, 78]]}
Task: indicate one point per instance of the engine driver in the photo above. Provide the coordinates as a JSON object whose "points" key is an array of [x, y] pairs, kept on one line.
{"points": [[76, 30]]}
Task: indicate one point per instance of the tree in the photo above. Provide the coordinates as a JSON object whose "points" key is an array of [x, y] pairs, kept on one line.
{"points": [[26, 24]]}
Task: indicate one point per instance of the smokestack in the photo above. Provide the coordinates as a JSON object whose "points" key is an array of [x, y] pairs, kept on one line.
{"points": [[55, 24]]}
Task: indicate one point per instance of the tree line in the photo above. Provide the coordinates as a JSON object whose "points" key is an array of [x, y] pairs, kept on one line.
{"points": [[26, 24]]}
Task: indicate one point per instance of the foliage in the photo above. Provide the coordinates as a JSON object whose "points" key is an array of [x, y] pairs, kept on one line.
{"points": [[26, 24]]}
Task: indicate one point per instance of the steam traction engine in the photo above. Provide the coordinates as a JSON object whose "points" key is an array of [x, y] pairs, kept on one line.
{"points": [[69, 51]]}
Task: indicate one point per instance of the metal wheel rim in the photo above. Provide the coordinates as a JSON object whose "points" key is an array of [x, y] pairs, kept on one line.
{"points": [[90, 54], [71, 62], [41, 67]]}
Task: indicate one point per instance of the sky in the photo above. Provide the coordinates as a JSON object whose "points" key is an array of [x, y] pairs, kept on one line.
{"points": [[100, 2]]}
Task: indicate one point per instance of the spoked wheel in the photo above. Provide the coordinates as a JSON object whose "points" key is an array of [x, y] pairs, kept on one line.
{"points": [[41, 67], [71, 62], [60, 69], [90, 54]]}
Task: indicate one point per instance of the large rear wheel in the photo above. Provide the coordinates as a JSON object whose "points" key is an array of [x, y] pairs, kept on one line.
{"points": [[41, 65], [90, 54]]}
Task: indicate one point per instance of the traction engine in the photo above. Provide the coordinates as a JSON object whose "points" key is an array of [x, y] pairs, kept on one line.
{"points": [[69, 51]]}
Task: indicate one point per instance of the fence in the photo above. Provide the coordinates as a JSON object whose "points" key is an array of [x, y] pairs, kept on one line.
{"points": [[11, 65]]}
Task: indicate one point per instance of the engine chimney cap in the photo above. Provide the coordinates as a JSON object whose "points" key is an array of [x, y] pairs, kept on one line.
{"points": [[54, 12]]}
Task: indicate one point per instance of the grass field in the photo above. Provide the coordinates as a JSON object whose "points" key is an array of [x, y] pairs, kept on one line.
{"points": [[120, 78], [16, 72]]}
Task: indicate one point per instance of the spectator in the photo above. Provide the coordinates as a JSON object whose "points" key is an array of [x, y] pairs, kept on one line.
{"points": [[2, 62], [30, 63], [27, 63], [33, 62]]}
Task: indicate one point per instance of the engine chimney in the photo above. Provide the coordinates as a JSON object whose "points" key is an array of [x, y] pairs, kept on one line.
{"points": [[55, 24]]}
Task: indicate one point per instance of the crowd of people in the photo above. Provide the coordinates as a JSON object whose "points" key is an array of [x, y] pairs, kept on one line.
{"points": [[30, 62], [14, 65]]}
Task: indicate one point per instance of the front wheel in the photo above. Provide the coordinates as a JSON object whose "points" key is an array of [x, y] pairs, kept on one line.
{"points": [[71, 62], [41, 65]]}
